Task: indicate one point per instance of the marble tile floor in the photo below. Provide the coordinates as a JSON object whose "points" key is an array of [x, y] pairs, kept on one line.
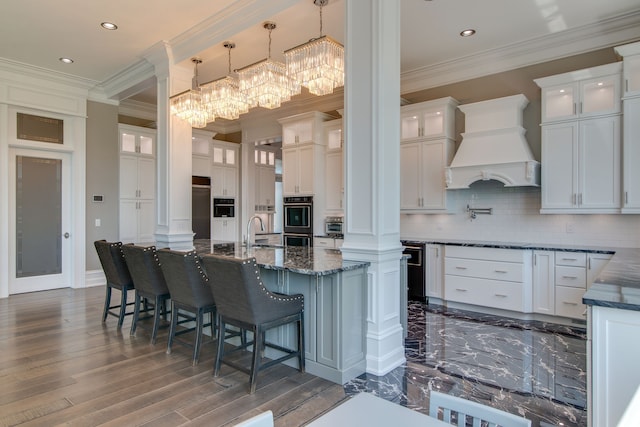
{"points": [[534, 369]]}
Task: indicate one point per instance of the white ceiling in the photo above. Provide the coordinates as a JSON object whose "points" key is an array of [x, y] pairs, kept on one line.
{"points": [[38, 32]]}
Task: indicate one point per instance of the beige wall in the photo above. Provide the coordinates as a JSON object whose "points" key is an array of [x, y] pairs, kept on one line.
{"points": [[102, 176]]}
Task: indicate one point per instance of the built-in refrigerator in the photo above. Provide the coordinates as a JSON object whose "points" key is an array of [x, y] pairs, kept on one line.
{"points": [[201, 207]]}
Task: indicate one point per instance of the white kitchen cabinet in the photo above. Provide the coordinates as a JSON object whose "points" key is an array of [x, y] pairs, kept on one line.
{"points": [[334, 173], [489, 277], [137, 185], [298, 170], [422, 175], [429, 119], [137, 221], [265, 189], [581, 94], [614, 363], [581, 166], [224, 229], [434, 259], [224, 181], [631, 68], [200, 160], [427, 148], [595, 263], [631, 158], [544, 289]]}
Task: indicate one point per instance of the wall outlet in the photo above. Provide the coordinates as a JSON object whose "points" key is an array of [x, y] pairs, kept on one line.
{"points": [[97, 222], [570, 227]]}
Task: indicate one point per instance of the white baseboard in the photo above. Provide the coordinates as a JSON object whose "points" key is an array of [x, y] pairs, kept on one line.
{"points": [[94, 278]]}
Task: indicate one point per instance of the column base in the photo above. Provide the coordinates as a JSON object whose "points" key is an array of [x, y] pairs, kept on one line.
{"points": [[176, 241]]}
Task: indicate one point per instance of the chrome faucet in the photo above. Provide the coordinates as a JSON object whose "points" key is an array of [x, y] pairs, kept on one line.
{"points": [[248, 241]]}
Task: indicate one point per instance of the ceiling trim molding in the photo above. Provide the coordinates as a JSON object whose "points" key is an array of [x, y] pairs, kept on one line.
{"points": [[221, 26], [131, 77], [21, 72], [141, 110], [603, 34]]}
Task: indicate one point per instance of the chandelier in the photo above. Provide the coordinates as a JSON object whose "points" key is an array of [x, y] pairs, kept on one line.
{"points": [[222, 97], [266, 83], [318, 64], [188, 105]]}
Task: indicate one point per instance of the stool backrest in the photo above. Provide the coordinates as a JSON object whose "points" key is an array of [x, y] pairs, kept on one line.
{"points": [[238, 290], [185, 278], [113, 263], [144, 267]]}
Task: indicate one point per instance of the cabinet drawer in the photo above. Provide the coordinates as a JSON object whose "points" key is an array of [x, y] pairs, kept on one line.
{"points": [[495, 270], [569, 302], [485, 292], [575, 277], [574, 259], [487, 254]]}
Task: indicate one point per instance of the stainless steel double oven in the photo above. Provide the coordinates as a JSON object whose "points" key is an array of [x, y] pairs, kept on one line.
{"points": [[298, 221]]}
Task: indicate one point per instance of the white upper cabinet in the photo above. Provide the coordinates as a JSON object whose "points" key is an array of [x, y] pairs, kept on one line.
{"points": [[631, 65], [429, 119], [581, 141], [581, 94], [224, 171], [136, 140], [631, 128], [426, 149]]}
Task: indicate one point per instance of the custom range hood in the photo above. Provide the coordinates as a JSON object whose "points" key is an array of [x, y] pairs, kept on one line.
{"points": [[493, 146]]}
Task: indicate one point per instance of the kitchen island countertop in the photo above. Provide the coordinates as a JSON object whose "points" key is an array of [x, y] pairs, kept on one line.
{"points": [[302, 260]]}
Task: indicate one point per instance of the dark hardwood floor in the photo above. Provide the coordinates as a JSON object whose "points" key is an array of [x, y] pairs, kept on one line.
{"points": [[59, 364]]}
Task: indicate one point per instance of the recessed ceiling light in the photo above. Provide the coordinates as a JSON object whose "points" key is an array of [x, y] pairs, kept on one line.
{"points": [[109, 26], [66, 60], [467, 33]]}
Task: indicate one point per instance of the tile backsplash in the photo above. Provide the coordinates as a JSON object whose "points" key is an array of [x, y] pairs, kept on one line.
{"points": [[516, 218]]}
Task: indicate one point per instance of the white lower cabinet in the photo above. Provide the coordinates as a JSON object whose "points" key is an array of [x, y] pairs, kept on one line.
{"points": [[544, 295], [489, 277], [614, 369], [327, 242], [137, 221], [224, 229], [434, 260]]}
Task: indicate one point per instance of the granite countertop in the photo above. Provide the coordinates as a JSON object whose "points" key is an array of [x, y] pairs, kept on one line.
{"points": [[302, 260], [618, 285], [513, 245]]}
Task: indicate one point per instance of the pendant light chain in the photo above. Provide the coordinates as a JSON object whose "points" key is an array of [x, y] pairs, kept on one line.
{"points": [[321, 20]]}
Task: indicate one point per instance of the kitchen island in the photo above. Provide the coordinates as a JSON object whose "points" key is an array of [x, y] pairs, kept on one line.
{"points": [[334, 303], [613, 322]]}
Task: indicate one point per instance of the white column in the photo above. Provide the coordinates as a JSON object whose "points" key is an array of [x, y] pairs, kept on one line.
{"points": [[372, 169], [173, 155]]}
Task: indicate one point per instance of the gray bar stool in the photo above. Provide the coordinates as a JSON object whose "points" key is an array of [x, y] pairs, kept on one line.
{"points": [[118, 277]]}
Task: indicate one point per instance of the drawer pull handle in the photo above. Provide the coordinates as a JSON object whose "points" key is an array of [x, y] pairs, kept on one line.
{"points": [[461, 268], [569, 259], [501, 295], [461, 290], [569, 277], [501, 271], [569, 303]]}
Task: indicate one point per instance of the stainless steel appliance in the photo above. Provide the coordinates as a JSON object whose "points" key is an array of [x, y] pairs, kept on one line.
{"points": [[333, 226], [298, 221], [201, 207], [224, 208], [416, 270]]}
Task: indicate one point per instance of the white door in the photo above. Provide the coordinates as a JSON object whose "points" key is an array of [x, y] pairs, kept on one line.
{"points": [[39, 220]]}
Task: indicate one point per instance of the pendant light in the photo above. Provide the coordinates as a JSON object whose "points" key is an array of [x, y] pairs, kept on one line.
{"points": [[188, 104], [223, 96], [265, 83], [318, 64]]}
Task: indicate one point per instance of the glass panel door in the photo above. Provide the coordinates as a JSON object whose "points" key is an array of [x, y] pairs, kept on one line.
{"points": [[39, 221]]}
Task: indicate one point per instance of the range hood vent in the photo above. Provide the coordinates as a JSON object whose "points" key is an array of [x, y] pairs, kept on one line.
{"points": [[493, 146]]}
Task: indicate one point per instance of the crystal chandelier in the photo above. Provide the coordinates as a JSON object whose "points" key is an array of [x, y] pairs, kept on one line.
{"points": [[222, 97], [318, 64], [188, 104], [266, 83]]}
